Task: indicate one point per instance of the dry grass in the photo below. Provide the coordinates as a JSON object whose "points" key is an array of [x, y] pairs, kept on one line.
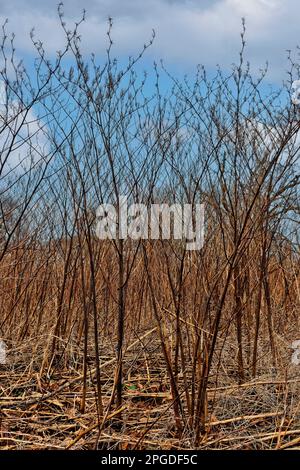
{"points": [[40, 412], [135, 344]]}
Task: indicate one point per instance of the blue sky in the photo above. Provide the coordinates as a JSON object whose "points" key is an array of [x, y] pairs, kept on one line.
{"points": [[188, 32]]}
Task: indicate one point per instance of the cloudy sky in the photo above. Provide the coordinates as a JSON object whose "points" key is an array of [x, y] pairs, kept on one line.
{"points": [[188, 32]]}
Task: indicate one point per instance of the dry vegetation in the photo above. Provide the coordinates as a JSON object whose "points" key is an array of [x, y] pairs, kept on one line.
{"points": [[142, 344]]}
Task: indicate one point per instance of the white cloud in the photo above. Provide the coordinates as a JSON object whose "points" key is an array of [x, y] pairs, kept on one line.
{"points": [[23, 140], [188, 32]]}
